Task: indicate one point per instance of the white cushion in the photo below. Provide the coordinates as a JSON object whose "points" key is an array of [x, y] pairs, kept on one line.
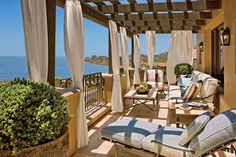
{"points": [[160, 75], [194, 128], [151, 75], [194, 75], [209, 88], [129, 131], [219, 130], [165, 135]]}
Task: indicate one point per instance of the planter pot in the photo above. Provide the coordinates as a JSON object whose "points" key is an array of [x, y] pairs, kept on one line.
{"points": [[56, 148]]}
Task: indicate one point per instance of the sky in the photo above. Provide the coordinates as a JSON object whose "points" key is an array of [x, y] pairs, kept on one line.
{"points": [[96, 36]]}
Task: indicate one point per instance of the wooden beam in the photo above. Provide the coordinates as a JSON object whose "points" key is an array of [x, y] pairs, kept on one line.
{"points": [[132, 52], [163, 16], [161, 31], [161, 7], [94, 15], [166, 22], [166, 29], [51, 23], [110, 70]]}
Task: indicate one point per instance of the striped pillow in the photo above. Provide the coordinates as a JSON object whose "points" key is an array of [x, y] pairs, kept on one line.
{"points": [[190, 91], [194, 128]]}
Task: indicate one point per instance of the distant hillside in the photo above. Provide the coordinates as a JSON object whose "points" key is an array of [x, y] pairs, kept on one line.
{"points": [[103, 60], [100, 60]]}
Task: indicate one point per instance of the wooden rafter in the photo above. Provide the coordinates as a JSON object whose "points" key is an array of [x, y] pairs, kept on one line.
{"points": [[164, 23], [157, 28], [161, 7], [161, 17], [94, 15]]}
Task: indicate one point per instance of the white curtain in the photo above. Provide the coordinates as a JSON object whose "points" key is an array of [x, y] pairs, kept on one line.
{"points": [[124, 53], [136, 59], [74, 48], [150, 41], [181, 51], [116, 99], [36, 38]]}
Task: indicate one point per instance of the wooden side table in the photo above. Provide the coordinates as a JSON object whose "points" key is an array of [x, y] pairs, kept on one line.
{"points": [[184, 117]]}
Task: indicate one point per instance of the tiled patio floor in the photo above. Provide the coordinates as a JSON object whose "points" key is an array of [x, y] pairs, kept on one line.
{"points": [[101, 148]]}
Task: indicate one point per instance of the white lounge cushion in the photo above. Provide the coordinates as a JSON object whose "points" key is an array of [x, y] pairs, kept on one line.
{"points": [[209, 88], [218, 130], [165, 135], [194, 128], [129, 131]]}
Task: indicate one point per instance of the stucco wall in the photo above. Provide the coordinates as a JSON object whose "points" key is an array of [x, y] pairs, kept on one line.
{"points": [[205, 36], [72, 98], [230, 58], [226, 15], [108, 80]]}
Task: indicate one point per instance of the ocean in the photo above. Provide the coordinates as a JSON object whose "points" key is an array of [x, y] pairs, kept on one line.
{"points": [[16, 66]]}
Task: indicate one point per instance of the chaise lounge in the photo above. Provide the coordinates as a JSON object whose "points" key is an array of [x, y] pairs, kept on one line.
{"points": [[202, 137]]}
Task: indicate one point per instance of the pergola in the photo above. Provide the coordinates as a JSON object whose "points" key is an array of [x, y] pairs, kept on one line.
{"points": [[162, 16]]}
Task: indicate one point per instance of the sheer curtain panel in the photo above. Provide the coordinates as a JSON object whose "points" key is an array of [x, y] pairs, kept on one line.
{"points": [[136, 59], [74, 48], [116, 99], [125, 54], [150, 41], [36, 38], [181, 51]]}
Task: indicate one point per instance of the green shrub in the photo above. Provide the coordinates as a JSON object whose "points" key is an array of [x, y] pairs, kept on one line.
{"points": [[30, 114], [183, 69]]}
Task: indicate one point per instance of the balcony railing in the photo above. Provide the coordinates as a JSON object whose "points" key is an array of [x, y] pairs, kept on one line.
{"points": [[93, 92]]}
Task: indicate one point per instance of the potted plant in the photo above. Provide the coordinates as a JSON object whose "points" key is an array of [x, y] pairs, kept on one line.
{"points": [[33, 120], [183, 69]]}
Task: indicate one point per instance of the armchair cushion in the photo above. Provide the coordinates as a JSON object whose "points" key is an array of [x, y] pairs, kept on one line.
{"points": [[192, 90], [151, 75], [183, 81], [194, 128], [219, 130], [209, 89]]}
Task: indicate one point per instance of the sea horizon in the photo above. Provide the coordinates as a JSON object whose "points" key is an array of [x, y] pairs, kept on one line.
{"points": [[16, 67]]}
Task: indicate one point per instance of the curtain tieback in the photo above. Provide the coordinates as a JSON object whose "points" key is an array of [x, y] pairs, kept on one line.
{"points": [[116, 77], [78, 84]]}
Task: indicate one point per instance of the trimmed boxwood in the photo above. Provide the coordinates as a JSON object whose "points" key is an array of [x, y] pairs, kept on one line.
{"points": [[30, 114], [183, 69]]}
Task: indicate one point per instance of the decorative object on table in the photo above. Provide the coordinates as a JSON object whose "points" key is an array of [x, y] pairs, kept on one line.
{"points": [[33, 120], [142, 88], [195, 105], [226, 36], [185, 107], [183, 69]]}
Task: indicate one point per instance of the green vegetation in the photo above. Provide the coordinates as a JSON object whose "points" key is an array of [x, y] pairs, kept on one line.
{"points": [[30, 114], [103, 60], [183, 69]]}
